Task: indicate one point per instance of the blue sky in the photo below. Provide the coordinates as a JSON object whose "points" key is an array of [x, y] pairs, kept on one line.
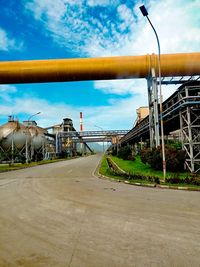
{"points": [[44, 29]]}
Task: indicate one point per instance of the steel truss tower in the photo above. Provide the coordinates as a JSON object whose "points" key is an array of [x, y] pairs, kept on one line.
{"points": [[189, 116]]}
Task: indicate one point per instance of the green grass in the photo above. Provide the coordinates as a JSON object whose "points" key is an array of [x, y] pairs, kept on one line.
{"points": [[106, 171], [104, 168], [138, 167]]}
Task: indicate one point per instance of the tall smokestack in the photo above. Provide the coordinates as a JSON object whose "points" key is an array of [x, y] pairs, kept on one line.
{"points": [[81, 121]]}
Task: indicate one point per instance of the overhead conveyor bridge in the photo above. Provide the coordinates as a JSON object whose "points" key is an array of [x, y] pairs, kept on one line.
{"points": [[94, 133], [89, 136]]}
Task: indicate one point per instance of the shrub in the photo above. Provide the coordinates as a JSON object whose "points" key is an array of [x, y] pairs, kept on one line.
{"points": [[157, 180], [174, 144], [23, 159], [131, 157], [152, 157], [114, 151], [174, 180], [175, 158], [145, 155], [124, 153], [194, 180]]}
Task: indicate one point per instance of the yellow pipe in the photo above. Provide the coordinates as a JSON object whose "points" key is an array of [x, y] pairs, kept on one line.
{"points": [[80, 69]]}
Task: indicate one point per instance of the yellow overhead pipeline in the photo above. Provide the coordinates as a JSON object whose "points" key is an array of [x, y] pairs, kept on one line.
{"points": [[105, 68]]}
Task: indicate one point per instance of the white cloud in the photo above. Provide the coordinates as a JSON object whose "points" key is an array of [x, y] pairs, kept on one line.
{"points": [[75, 25], [6, 92], [117, 29], [101, 3], [98, 3], [7, 43], [125, 14], [121, 87], [136, 88], [105, 116]]}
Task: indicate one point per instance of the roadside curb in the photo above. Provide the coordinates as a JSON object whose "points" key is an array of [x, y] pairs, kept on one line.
{"points": [[158, 186], [177, 187], [148, 185]]}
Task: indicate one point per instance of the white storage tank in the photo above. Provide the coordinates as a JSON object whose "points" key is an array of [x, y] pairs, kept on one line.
{"points": [[38, 139], [14, 134]]}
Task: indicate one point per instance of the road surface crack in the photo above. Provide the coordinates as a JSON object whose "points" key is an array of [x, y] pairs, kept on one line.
{"points": [[77, 239]]}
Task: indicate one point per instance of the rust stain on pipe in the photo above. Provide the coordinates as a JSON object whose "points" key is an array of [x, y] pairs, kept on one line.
{"points": [[81, 69]]}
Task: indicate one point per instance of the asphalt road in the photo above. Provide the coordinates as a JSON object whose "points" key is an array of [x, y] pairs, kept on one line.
{"points": [[60, 214]]}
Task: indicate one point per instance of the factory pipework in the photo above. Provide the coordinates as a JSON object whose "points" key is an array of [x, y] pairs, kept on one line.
{"points": [[80, 69]]}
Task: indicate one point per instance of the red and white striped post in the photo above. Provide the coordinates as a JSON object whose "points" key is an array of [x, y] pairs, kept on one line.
{"points": [[81, 121]]}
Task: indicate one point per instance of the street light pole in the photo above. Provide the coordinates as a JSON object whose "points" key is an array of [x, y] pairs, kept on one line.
{"points": [[145, 14]]}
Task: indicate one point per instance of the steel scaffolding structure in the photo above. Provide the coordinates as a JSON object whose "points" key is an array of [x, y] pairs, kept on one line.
{"points": [[180, 111], [190, 126]]}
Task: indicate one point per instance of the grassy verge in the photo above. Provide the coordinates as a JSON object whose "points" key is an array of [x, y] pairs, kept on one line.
{"points": [[105, 170], [138, 168], [17, 166]]}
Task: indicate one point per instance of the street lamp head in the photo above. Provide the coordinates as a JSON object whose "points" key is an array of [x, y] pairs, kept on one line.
{"points": [[33, 115], [144, 11]]}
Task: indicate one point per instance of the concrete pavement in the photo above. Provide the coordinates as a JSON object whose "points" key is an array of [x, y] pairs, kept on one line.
{"points": [[62, 215]]}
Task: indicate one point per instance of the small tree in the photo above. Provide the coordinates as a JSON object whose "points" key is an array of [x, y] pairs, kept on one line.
{"points": [[114, 151], [124, 153], [175, 158]]}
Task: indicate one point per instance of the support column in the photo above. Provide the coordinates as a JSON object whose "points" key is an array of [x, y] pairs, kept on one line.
{"points": [[56, 143], [153, 110]]}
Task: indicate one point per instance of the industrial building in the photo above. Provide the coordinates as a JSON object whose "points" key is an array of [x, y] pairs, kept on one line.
{"points": [[25, 142]]}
